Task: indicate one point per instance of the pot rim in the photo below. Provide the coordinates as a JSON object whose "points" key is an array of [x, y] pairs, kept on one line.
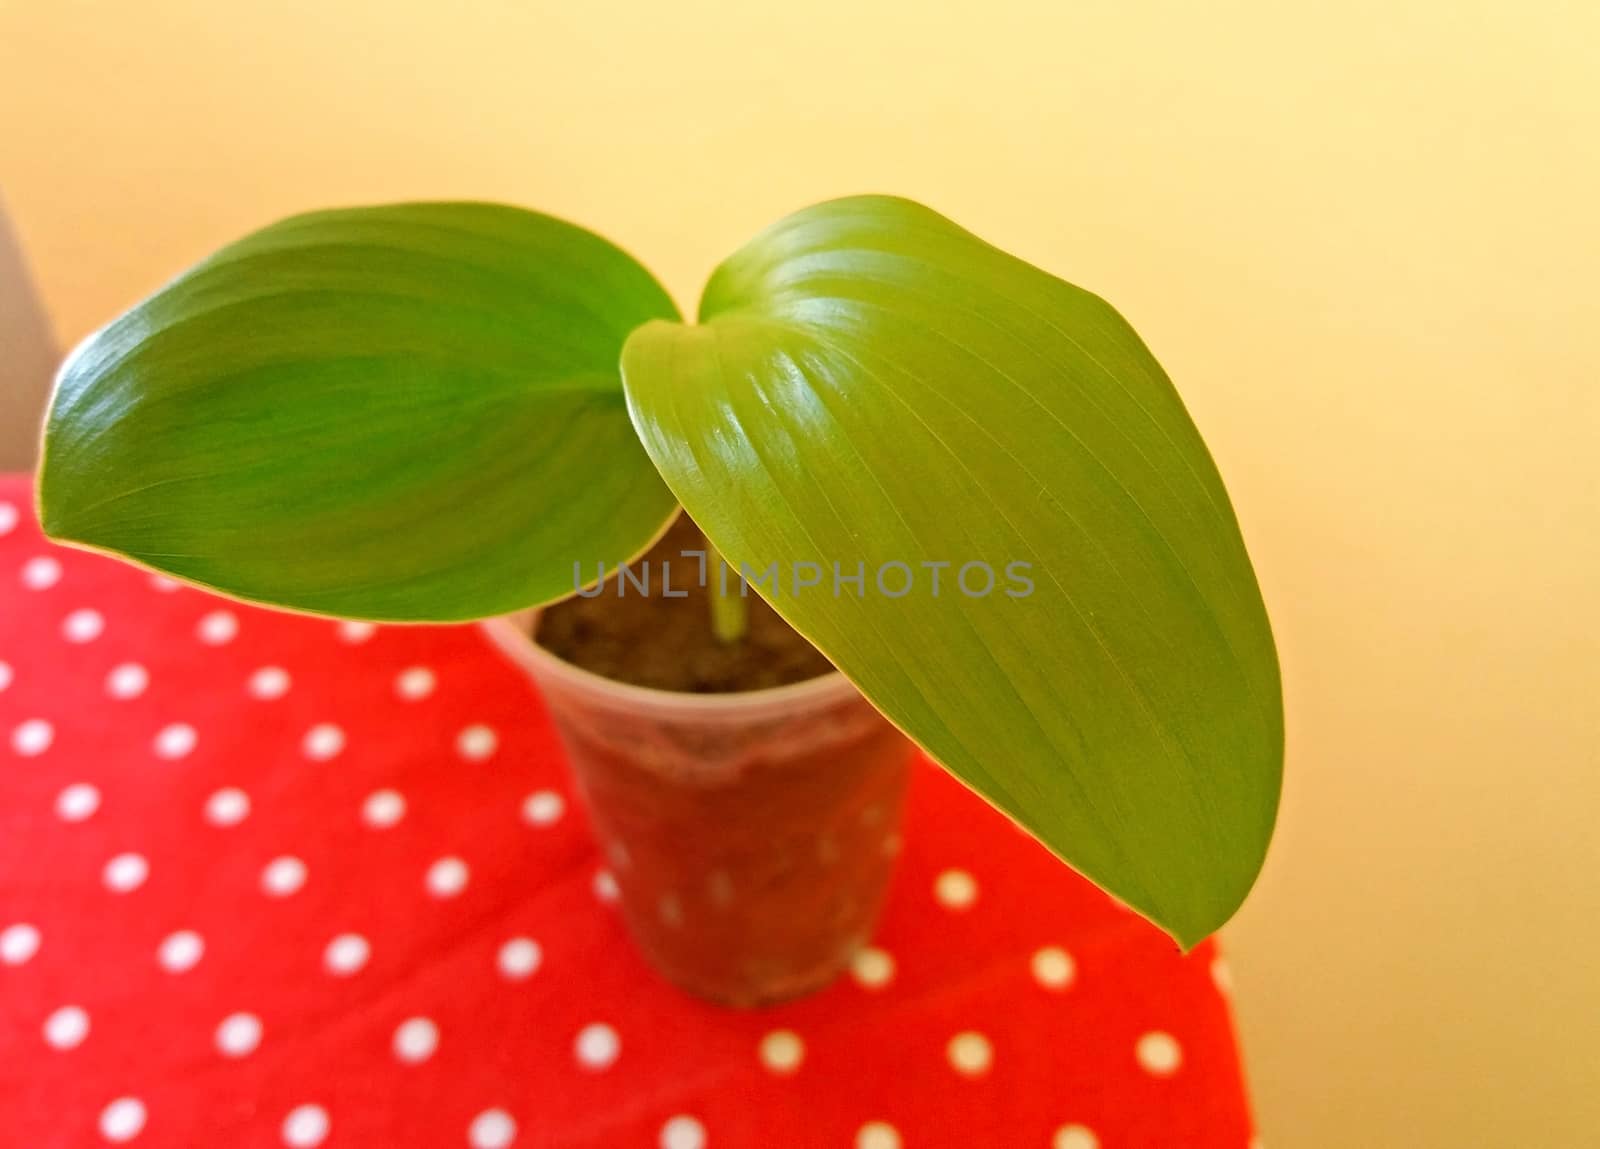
{"points": [[744, 705]]}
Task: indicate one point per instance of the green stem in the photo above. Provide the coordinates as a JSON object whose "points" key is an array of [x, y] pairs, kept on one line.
{"points": [[730, 613]]}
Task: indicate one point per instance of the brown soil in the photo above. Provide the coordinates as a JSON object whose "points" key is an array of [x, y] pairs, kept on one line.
{"points": [[667, 643]]}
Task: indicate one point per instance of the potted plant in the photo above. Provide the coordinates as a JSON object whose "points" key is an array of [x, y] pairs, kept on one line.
{"points": [[965, 482]]}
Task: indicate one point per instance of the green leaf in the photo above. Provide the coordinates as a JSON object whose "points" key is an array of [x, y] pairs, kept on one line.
{"points": [[409, 412], [872, 384]]}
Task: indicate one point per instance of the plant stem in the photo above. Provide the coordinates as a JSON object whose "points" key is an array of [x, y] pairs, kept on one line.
{"points": [[730, 614]]}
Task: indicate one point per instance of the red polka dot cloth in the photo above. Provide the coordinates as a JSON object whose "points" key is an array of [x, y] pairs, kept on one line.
{"points": [[284, 882]]}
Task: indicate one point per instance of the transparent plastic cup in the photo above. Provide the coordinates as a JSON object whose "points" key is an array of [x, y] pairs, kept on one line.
{"points": [[752, 836]]}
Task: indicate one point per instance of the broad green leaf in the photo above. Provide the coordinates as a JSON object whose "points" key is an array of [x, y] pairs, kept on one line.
{"points": [[871, 384], [408, 412]]}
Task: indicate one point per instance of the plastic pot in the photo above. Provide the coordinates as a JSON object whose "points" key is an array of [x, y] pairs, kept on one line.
{"points": [[752, 836]]}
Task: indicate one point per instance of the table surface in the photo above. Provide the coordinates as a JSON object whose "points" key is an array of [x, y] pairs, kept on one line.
{"points": [[281, 881]]}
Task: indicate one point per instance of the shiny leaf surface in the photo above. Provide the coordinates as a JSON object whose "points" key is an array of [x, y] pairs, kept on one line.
{"points": [[872, 385], [409, 412]]}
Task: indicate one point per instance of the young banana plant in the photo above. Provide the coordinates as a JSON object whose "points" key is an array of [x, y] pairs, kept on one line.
{"points": [[437, 412]]}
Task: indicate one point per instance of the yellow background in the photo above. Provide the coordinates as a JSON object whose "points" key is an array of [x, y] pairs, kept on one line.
{"points": [[1362, 237]]}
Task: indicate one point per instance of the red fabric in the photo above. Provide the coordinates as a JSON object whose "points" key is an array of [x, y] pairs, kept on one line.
{"points": [[1064, 1056]]}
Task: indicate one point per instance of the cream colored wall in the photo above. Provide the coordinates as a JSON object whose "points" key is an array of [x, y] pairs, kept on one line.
{"points": [[1361, 235]]}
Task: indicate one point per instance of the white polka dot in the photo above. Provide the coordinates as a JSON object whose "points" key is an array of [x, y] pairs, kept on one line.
{"points": [[66, 1027], [670, 910], [175, 741], [218, 628], [970, 1054], [1074, 1137], [8, 518], [6, 675], [383, 808], [447, 877], [18, 943], [415, 683], [227, 807], [77, 802], [283, 876], [33, 737], [878, 1135], [127, 681], [164, 584], [122, 1119], [180, 951], [415, 1040], [543, 808], [269, 682], [683, 1132], [605, 887], [597, 1046], [519, 957], [83, 626], [41, 573], [1222, 975], [492, 1129], [1159, 1054], [956, 889], [872, 968], [125, 872], [782, 1051], [305, 1127], [346, 954], [477, 742], [322, 742], [238, 1035], [1053, 967], [356, 632]]}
